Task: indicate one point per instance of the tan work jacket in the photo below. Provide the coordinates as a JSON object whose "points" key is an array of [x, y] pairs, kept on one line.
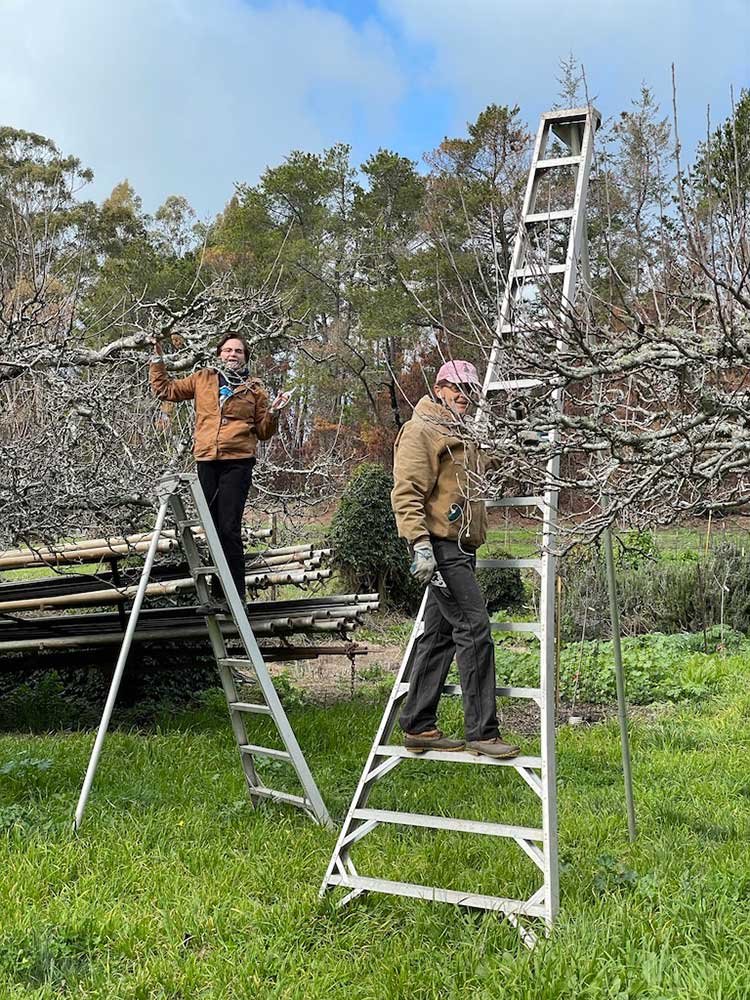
{"points": [[430, 475], [229, 431]]}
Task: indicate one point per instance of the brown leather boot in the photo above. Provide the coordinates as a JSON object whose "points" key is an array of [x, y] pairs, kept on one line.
{"points": [[433, 739], [496, 747]]}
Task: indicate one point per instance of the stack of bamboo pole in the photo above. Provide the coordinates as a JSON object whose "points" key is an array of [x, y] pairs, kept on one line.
{"points": [[339, 614], [292, 564], [300, 564], [96, 549]]}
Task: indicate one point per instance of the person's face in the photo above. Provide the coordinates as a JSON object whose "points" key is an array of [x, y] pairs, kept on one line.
{"points": [[232, 353], [457, 398]]}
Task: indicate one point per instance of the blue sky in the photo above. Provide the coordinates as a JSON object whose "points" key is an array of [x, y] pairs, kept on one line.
{"points": [[189, 96]]}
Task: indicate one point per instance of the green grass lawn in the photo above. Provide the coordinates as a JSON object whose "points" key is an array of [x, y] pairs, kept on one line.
{"points": [[176, 888]]}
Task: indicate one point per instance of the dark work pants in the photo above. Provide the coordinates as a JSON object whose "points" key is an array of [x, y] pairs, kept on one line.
{"points": [[455, 621], [226, 484]]}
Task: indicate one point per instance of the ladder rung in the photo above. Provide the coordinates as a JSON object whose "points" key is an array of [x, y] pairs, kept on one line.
{"points": [[516, 502], [558, 161], [514, 383], [234, 661], [566, 213], [449, 823], [510, 564], [249, 706], [265, 752], [456, 756], [564, 116], [538, 325], [203, 570], [540, 271], [271, 793], [533, 627], [532, 694], [190, 524], [412, 889]]}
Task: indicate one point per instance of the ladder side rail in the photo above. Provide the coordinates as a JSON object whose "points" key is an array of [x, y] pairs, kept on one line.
{"points": [[120, 666], [547, 636], [516, 257], [239, 614], [218, 647], [578, 223], [578, 142], [549, 537], [387, 723]]}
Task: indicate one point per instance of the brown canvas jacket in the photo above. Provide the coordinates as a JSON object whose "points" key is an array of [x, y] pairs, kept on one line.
{"points": [[430, 474], [231, 431]]}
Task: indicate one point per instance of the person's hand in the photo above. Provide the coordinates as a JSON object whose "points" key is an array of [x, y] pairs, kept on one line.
{"points": [[281, 401], [423, 565], [156, 346]]}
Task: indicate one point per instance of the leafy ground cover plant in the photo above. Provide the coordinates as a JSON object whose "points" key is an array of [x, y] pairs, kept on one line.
{"points": [[657, 667]]}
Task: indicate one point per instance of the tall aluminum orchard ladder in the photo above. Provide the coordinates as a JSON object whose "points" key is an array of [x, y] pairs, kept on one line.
{"points": [[575, 129], [171, 490]]}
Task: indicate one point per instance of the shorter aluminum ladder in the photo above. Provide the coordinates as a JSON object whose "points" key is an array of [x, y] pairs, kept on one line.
{"points": [[172, 491]]}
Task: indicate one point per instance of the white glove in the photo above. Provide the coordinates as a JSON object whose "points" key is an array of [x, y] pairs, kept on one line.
{"points": [[282, 400], [423, 565]]}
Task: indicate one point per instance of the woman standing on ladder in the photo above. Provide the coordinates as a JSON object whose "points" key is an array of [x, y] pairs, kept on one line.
{"points": [[232, 413]]}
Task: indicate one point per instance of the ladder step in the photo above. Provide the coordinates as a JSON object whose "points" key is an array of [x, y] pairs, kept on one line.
{"points": [[516, 502], [539, 271], [194, 523], [579, 116], [531, 694], [534, 627], [271, 793], [558, 161], [456, 756], [514, 383], [510, 564], [249, 706], [235, 661], [566, 213], [449, 823], [273, 754], [203, 570], [520, 907]]}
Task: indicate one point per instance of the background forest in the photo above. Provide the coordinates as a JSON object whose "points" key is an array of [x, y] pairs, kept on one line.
{"points": [[350, 281]]}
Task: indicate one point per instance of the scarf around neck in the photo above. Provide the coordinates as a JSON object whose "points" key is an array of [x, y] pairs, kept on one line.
{"points": [[230, 379]]}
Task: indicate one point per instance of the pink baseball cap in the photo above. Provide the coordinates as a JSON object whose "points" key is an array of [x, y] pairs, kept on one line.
{"points": [[459, 372]]}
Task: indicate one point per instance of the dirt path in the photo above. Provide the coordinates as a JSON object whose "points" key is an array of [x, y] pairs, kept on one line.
{"points": [[329, 679]]}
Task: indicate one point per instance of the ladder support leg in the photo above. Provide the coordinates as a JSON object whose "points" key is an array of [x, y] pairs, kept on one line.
{"points": [[120, 667]]}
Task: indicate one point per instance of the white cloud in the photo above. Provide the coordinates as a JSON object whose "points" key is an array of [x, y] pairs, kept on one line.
{"points": [[507, 52], [188, 96]]}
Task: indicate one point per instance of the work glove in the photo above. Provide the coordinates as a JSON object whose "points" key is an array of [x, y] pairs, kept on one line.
{"points": [[531, 440], [423, 565]]}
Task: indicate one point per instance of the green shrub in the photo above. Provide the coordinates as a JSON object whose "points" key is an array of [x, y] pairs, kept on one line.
{"points": [[691, 593], [367, 551], [657, 667], [502, 588], [67, 689]]}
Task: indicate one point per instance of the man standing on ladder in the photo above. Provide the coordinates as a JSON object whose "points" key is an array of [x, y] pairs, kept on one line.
{"points": [[444, 528], [232, 413]]}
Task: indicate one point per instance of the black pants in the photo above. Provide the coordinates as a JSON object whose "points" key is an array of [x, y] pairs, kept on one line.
{"points": [[455, 621], [226, 484]]}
